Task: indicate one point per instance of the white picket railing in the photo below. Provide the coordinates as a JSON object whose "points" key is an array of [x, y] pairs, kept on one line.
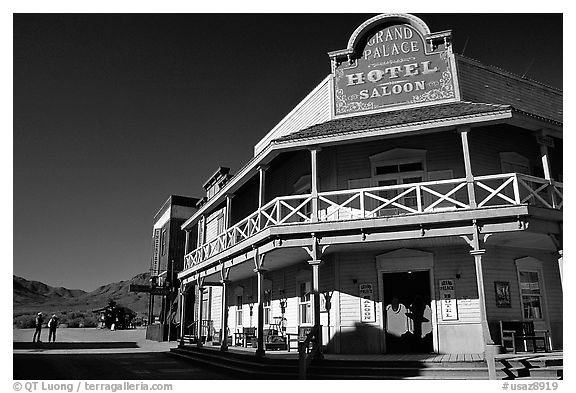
{"points": [[372, 202]]}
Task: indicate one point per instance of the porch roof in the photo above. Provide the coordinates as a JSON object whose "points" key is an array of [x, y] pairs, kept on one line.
{"points": [[359, 124]]}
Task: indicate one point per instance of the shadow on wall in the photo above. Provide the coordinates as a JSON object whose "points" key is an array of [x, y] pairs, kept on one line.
{"points": [[361, 338]]}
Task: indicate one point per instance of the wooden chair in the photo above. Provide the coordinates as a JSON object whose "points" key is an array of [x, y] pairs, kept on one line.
{"points": [[249, 338], [513, 331]]}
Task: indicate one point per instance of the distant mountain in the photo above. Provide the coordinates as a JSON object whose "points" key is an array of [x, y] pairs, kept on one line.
{"points": [[34, 296]]}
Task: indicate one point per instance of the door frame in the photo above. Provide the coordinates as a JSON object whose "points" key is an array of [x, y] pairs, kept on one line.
{"points": [[404, 260]]}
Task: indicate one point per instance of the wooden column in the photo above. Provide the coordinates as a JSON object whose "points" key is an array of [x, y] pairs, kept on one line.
{"points": [[315, 262], [543, 141], [262, 185], [259, 270], [187, 243], [224, 273], [228, 221], [314, 181], [224, 326], [468, 166], [477, 253], [199, 328], [182, 294], [201, 230]]}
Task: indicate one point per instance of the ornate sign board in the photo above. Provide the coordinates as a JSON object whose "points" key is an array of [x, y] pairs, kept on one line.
{"points": [[367, 306], [448, 305], [393, 62]]}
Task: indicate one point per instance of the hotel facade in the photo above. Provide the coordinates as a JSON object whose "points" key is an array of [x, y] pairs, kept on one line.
{"points": [[411, 202]]}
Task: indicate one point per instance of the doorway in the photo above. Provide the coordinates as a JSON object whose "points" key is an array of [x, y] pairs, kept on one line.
{"points": [[407, 311]]}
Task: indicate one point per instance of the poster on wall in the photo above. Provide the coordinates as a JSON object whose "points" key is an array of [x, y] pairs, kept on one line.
{"points": [[502, 289], [367, 306], [448, 305]]}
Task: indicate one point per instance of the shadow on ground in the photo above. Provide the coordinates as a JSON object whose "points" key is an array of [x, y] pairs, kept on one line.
{"points": [[122, 366], [75, 345]]}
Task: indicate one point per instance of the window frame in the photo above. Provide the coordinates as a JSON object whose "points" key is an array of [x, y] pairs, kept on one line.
{"points": [[307, 305]]}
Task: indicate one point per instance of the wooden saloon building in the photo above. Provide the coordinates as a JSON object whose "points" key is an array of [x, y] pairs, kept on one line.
{"points": [[412, 202]]}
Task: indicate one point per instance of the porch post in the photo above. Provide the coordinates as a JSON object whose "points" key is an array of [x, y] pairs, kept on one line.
{"points": [[262, 186], [315, 262], [199, 328], [228, 220], [477, 253], [182, 294], [224, 327], [201, 230], [259, 270], [187, 243], [467, 165], [542, 140], [314, 181]]}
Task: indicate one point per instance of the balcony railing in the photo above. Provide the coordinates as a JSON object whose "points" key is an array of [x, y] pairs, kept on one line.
{"points": [[385, 201]]}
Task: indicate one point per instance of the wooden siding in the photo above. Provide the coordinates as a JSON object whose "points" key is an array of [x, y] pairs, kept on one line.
{"points": [[245, 200], [449, 261], [285, 171], [556, 157], [499, 265], [313, 109], [216, 307], [212, 224], [484, 84], [486, 144], [444, 151]]}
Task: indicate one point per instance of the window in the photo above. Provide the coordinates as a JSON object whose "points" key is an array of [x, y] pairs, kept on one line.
{"points": [[514, 163], [239, 313], [305, 303], [267, 307], [397, 167], [530, 294], [163, 242]]}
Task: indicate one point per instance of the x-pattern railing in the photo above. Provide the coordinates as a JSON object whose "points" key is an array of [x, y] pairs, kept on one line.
{"points": [[371, 202]]}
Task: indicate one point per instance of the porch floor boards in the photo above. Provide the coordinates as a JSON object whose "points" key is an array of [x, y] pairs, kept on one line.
{"points": [[401, 357]]}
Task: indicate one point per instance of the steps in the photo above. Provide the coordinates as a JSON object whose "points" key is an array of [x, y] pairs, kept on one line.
{"points": [[248, 366], [530, 366]]}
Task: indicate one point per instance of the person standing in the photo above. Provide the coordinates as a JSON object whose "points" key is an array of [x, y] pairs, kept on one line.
{"points": [[52, 325], [38, 323]]}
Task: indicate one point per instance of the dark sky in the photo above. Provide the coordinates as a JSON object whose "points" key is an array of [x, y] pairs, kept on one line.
{"points": [[113, 113]]}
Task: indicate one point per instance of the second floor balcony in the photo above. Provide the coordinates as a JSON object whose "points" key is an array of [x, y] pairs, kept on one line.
{"points": [[368, 203]]}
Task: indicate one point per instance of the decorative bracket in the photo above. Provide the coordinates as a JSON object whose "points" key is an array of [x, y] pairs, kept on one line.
{"points": [[258, 260], [224, 272]]}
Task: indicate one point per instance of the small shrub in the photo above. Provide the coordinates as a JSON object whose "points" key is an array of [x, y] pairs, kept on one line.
{"points": [[25, 321]]}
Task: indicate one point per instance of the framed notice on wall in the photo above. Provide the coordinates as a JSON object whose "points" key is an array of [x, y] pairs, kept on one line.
{"points": [[367, 306], [448, 305], [502, 289]]}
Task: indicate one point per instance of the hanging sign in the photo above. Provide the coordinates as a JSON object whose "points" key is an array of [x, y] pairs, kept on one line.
{"points": [[394, 66], [367, 306], [448, 305], [155, 268]]}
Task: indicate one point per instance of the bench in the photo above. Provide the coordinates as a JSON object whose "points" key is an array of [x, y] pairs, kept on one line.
{"points": [[523, 331], [273, 341]]}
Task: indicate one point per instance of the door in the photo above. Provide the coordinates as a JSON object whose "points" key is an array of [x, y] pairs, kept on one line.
{"points": [[407, 311]]}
